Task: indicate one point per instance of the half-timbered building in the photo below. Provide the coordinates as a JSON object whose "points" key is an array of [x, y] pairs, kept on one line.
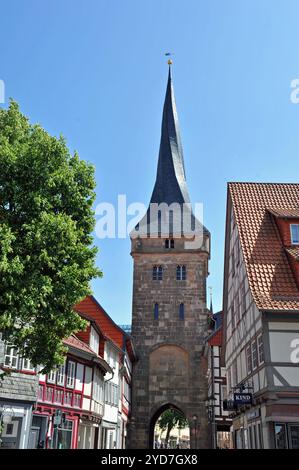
{"points": [[261, 313]]}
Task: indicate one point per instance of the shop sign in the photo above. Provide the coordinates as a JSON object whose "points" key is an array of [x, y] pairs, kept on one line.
{"points": [[243, 398]]}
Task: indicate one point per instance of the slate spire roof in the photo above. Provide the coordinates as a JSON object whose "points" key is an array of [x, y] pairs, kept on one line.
{"points": [[170, 183], [170, 188]]}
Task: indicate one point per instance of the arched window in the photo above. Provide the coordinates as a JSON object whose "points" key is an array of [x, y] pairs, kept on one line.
{"points": [[157, 273], [156, 311], [181, 273], [166, 243], [172, 243], [182, 312]]}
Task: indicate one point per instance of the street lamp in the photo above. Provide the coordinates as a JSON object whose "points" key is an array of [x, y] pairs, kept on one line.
{"points": [[194, 419], [210, 405]]}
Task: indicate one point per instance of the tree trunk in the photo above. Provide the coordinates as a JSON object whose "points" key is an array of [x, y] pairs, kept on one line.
{"points": [[169, 428]]}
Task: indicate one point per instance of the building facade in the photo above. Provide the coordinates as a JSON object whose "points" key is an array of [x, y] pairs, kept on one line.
{"points": [[261, 314], [169, 319], [70, 403], [219, 421], [84, 403], [18, 395], [117, 349]]}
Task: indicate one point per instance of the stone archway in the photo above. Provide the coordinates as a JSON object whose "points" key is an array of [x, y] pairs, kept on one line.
{"points": [[169, 369], [156, 415]]}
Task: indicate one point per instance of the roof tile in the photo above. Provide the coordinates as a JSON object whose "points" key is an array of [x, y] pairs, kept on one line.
{"points": [[270, 277]]}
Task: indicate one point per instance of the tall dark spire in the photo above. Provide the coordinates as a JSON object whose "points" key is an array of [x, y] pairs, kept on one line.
{"points": [[170, 183]]}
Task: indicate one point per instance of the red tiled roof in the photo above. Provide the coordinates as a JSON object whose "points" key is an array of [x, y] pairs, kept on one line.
{"points": [[293, 251], [272, 282], [78, 344], [287, 213], [215, 339], [89, 306]]}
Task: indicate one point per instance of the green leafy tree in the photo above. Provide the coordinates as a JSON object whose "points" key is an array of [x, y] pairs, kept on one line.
{"points": [[46, 221], [170, 419]]}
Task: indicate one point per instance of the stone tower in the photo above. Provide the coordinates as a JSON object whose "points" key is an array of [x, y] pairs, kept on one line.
{"points": [[169, 320]]}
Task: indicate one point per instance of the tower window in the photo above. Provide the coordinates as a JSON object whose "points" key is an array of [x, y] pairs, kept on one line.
{"points": [[169, 243], [156, 311], [157, 273], [181, 273], [295, 234], [182, 312]]}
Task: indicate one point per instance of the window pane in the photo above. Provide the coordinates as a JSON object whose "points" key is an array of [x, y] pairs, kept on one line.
{"points": [[11, 356], [178, 273], [70, 381], [295, 233], [280, 436], [294, 437], [260, 349], [182, 312], [27, 365], [51, 376], [254, 354], [248, 356], [156, 311], [60, 375]]}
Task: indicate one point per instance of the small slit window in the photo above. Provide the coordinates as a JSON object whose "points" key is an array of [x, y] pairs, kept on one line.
{"points": [[295, 234], [181, 273], [156, 311], [169, 243], [181, 312], [157, 273]]}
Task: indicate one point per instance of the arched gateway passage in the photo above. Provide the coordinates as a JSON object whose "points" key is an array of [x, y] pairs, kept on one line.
{"points": [[169, 428]]}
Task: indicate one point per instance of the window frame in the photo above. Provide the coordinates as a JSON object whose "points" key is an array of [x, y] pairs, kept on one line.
{"points": [[15, 356], [61, 373], [157, 273], [296, 226], [29, 367], [182, 311], [94, 340], [254, 354], [156, 311], [181, 272], [249, 359], [71, 374], [260, 349], [50, 379]]}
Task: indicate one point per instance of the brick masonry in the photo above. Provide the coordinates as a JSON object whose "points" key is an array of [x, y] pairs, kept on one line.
{"points": [[171, 369]]}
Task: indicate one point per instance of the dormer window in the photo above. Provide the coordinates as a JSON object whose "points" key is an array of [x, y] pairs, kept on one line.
{"points": [[94, 340], [294, 234]]}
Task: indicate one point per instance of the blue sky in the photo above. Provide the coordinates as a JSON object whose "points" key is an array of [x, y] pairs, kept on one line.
{"points": [[95, 71]]}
